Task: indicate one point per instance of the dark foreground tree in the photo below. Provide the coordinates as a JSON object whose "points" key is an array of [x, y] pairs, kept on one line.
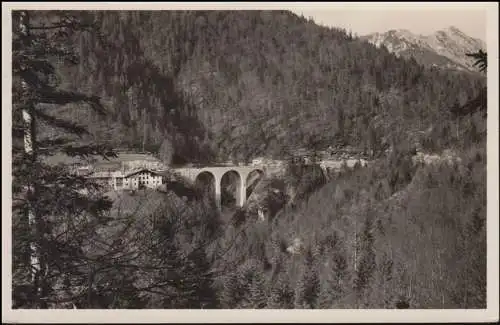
{"points": [[478, 103], [481, 58], [54, 211]]}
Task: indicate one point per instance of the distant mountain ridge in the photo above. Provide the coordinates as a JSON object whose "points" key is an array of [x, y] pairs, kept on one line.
{"points": [[445, 48]]}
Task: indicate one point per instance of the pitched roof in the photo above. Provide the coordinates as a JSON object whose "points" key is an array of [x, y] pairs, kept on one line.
{"points": [[138, 170], [105, 174]]}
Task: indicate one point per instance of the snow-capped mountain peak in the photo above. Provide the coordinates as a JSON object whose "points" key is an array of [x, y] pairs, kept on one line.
{"points": [[445, 48]]}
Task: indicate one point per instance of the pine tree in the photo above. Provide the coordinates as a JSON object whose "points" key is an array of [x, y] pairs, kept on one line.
{"points": [[366, 265], [232, 291], [199, 277], [334, 275], [481, 58], [54, 211], [308, 286], [478, 103], [281, 294], [258, 294]]}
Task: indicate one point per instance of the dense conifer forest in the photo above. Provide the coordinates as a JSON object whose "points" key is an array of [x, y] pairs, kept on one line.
{"points": [[239, 84]]}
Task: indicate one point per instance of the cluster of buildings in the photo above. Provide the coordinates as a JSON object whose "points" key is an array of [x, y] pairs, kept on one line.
{"points": [[331, 156], [131, 171], [131, 179], [127, 172], [261, 161]]}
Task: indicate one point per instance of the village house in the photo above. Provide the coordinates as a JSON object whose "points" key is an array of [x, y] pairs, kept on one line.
{"points": [[105, 178], [127, 171], [142, 178], [131, 180]]}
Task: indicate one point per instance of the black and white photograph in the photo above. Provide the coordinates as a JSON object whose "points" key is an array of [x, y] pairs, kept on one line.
{"points": [[244, 158]]}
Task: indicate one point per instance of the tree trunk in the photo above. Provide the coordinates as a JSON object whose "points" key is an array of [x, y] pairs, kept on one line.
{"points": [[35, 262]]}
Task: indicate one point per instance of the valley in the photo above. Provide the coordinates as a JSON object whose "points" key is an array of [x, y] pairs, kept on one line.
{"points": [[245, 160]]}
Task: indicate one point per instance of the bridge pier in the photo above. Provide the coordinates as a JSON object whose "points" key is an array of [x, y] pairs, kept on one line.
{"points": [[218, 202], [242, 192]]}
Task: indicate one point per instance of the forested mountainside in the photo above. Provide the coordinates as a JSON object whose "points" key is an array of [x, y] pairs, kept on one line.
{"points": [[235, 84]]}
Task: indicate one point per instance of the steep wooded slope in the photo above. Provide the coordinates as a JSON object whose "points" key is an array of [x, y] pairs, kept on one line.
{"points": [[236, 84]]}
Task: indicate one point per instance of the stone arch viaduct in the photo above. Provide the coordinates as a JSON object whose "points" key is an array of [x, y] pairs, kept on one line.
{"points": [[217, 173]]}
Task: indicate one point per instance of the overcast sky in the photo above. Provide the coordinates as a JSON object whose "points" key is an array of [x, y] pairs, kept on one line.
{"points": [[421, 20], [359, 17]]}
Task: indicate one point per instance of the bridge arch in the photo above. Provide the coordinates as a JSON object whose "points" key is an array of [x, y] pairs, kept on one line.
{"points": [[232, 183], [206, 183]]}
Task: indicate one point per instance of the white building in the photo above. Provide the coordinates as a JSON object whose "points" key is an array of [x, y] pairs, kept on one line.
{"points": [[133, 179], [127, 171], [139, 179]]}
